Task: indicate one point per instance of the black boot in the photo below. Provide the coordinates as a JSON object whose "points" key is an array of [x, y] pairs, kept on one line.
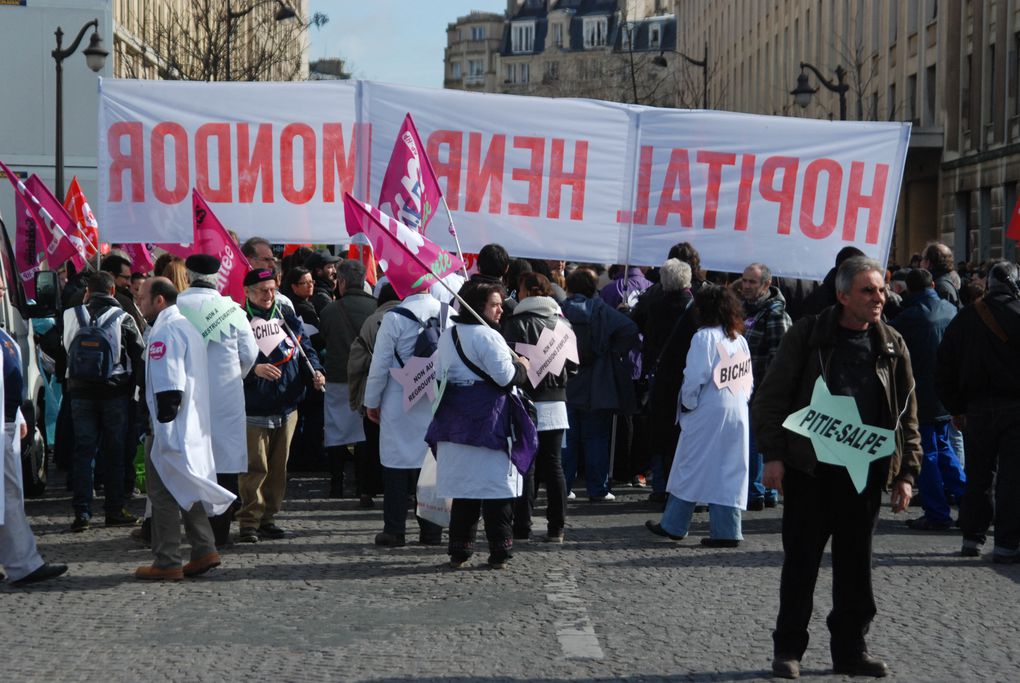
{"points": [[335, 457]]}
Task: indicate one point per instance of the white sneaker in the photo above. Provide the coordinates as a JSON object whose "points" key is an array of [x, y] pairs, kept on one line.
{"points": [[571, 496], [609, 497]]}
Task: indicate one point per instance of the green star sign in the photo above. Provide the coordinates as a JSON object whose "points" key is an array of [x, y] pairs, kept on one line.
{"points": [[839, 437]]}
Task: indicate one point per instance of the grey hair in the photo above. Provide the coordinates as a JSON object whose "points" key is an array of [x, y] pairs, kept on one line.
{"points": [[211, 280], [851, 268], [766, 272], [675, 275], [352, 272]]}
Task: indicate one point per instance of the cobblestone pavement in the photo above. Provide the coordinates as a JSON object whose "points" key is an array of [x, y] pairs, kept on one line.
{"points": [[614, 602]]}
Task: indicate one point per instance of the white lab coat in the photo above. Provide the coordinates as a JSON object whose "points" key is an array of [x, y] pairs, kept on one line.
{"points": [[710, 465], [229, 361], [182, 448], [402, 434], [472, 471]]}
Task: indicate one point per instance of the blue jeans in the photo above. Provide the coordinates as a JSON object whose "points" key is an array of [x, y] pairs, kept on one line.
{"points": [[941, 472], [723, 520], [956, 439], [590, 432], [756, 465], [99, 422]]}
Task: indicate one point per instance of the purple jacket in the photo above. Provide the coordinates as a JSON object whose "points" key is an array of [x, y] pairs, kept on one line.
{"points": [[481, 415], [632, 284]]}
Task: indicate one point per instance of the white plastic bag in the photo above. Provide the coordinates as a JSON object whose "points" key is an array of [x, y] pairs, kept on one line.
{"points": [[430, 506]]}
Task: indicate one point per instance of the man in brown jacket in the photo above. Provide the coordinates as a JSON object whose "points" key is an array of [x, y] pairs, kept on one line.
{"points": [[855, 354]]}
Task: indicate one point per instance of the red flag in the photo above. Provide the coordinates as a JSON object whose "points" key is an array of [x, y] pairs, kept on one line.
{"points": [[26, 240], [360, 249], [1013, 231], [52, 220], [411, 262], [141, 257], [86, 235], [410, 190], [212, 238]]}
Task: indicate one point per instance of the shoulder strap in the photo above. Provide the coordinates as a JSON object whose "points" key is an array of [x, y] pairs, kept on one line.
{"points": [[79, 312], [114, 317], [669, 339], [471, 366], [407, 314], [990, 321]]}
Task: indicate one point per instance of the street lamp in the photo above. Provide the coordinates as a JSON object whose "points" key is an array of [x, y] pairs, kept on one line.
{"points": [[803, 92], [95, 57], [703, 63], [283, 13]]}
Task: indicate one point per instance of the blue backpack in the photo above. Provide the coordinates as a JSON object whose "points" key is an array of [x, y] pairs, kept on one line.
{"points": [[428, 339], [94, 354]]}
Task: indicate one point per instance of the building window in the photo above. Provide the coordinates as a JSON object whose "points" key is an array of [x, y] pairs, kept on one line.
{"points": [[912, 100], [1014, 77], [476, 71], [894, 13], [655, 35], [509, 74], [552, 71], [525, 71], [892, 102], [912, 9], [455, 71], [965, 97], [594, 32], [931, 10], [626, 35], [929, 96], [522, 37], [558, 35], [477, 33]]}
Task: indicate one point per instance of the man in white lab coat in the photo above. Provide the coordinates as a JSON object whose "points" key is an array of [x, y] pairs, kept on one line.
{"points": [[180, 473], [231, 349]]}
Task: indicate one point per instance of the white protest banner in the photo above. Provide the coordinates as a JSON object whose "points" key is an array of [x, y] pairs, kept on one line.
{"points": [[417, 378], [556, 345], [547, 178], [269, 334]]}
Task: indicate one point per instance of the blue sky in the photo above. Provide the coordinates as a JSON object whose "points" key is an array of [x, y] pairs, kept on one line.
{"points": [[392, 41]]}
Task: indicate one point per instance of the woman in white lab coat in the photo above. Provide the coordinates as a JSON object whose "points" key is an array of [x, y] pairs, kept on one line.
{"points": [[711, 456], [481, 433]]}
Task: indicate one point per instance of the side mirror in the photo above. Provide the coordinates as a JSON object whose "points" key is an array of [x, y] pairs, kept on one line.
{"points": [[47, 295]]}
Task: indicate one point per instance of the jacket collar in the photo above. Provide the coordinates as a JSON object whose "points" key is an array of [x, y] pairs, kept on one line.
{"points": [[824, 332]]}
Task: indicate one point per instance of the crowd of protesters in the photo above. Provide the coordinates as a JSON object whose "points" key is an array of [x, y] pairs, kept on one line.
{"points": [[299, 377]]}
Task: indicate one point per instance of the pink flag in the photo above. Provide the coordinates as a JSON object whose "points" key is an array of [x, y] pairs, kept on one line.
{"points": [[411, 262], [86, 234], [141, 257], [51, 219], [26, 246], [410, 190], [212, 238]]}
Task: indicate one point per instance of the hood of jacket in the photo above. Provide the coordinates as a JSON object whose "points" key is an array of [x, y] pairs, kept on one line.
{"points": [[539, 305]]}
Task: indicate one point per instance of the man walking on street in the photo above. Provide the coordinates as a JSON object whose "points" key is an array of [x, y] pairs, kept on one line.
{"points": [[765, 324], [846, 350], [978, 380], [180, 473]]}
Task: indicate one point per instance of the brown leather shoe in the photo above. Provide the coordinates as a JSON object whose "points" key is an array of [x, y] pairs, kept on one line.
{"points": [[202, 564], [159, 573]]}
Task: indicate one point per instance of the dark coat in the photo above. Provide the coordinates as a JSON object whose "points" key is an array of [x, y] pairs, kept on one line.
{"points": [[323, 294], [264, 397], [664, 357], [790, 381], [973, 364], [922, 323], [340, 323], [947, 289], [604, 338]]}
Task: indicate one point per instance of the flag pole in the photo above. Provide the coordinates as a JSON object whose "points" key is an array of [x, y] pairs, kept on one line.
{"points": [[456, 239]]}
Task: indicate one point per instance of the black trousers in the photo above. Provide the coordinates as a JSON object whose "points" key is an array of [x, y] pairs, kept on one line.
{"points": [[993, 467], [498, 515], [367, 468], [400, 486], [221, 523], [548, 467], [816, 508]]}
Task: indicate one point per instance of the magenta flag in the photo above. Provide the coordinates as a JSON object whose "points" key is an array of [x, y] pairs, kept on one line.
{"points": [[55, 225], [182, 250], [26, 246], [410, 190], [212, 238], [49, 215], [141, 257], [411, 262]]}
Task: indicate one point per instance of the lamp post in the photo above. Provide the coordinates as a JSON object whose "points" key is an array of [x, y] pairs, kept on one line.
{"points": [[702, 63], [803, 92], [282, 14], [95, 57]]}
